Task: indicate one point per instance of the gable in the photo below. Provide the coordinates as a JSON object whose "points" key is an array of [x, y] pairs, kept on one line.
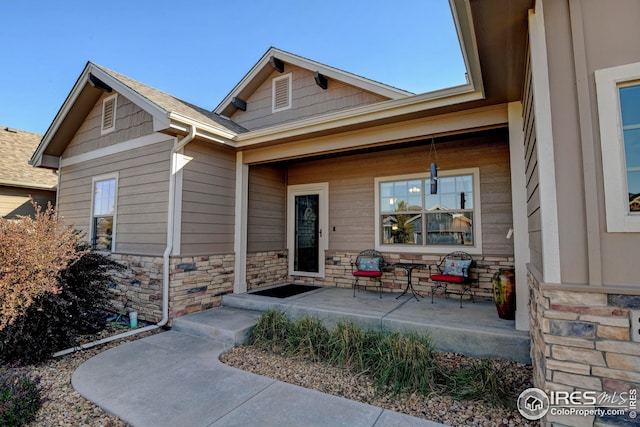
{"points": [[267, 107], [129, 122]]}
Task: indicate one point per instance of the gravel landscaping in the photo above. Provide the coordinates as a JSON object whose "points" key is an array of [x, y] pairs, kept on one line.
{"points": [[355, 386], [63, 406]]}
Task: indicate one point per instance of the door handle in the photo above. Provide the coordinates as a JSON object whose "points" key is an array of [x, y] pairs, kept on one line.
{"points": [[320, 232]]}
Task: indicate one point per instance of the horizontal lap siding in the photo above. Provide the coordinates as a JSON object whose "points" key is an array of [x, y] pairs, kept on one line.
{"points": [[351, 187], [17, 201], [143, 188], [208, 200], [131, 122], [266, 222], [531, 173]]}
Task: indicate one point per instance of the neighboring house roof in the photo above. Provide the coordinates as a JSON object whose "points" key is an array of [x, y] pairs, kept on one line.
{"points": [[16, 147], [264, 67]]}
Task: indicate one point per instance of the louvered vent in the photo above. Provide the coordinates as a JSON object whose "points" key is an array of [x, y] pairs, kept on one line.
{"points": [[282, 93], [109, 114]]}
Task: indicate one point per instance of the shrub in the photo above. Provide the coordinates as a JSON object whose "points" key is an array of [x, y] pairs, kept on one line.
{"points": [[309, 338], [33, 252], [481, 380], [348, 345], [19, 398], [404, 362], [54, 321], [271, 331]]}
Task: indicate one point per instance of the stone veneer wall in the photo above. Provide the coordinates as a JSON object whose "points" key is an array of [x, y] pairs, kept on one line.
{"points": [[338, 271], [582, 341], [266, 268], [196, 283]]}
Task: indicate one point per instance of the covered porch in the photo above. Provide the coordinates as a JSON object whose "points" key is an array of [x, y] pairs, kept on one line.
{"points": [[474, 330]]}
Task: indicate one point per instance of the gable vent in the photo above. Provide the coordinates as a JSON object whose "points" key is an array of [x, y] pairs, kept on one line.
{"points": [[282, 93], [109, 114]]}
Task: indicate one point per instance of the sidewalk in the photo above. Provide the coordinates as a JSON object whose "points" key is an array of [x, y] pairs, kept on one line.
{"points": [[176, 379]]}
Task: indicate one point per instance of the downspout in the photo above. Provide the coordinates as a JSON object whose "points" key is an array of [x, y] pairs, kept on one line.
{"points": [[165, 257]]}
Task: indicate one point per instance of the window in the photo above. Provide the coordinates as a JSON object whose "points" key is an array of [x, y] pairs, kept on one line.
{"points": [[618, 91], [103, 213], [281, 93], [409, 215], [109, 114]]}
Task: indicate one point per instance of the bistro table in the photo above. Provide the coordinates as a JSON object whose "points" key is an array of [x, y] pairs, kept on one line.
{"points": [[409, 267]]}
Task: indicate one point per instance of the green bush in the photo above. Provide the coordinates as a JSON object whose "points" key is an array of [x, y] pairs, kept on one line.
{"points": [[19, 398], [349, 344], [481, 380], [309, 338], [54, 321], [271, 331], [404, 362]]}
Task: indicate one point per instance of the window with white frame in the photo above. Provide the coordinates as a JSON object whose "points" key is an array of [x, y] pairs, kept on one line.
{"points": [[618, 91], [109, 105], [409, 215], [103, 212], [281, 93]]}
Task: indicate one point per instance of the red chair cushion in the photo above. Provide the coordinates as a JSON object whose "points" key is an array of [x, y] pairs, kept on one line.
{"points": [[447, 278], [363, 273]]}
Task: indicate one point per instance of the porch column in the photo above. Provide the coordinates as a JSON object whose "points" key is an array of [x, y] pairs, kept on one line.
{"points": [[240, 232], [519, 210]]}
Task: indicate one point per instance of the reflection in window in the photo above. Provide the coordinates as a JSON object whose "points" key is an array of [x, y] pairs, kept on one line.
{"points": [[446, 216], [630, 108], [104, 203]]}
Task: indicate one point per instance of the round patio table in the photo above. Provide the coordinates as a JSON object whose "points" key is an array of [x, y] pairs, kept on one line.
{"points": [[409, 267]]}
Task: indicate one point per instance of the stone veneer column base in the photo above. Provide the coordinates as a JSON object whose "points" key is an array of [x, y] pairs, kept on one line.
{"points": [[582, 341]]}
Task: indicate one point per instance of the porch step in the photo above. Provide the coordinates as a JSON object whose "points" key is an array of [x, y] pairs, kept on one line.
{"points": [[227, 324], [474, 330]]}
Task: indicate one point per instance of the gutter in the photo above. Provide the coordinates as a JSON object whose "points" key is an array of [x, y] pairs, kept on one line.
{"points": [[165, 257]]}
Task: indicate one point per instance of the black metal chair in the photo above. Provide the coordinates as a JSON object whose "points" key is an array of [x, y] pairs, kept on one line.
{"points": [[368, 265], [454, 268]]}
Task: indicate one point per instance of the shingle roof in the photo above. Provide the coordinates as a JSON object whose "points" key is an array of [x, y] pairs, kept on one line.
{"points": [[16, 148], [173, 104]]}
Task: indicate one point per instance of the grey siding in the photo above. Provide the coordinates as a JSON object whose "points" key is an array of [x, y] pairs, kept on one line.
{"points": [[531, 162], [308, 100], [143, 188], [267, 207], [208, 200], [131, 122], [352, 192]]}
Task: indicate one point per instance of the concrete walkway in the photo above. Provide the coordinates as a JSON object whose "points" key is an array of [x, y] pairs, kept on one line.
{"points": [[176, 379]]}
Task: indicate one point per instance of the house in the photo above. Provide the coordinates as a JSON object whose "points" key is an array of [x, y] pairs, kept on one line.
{"points": [[303, 165], [19, 182]]}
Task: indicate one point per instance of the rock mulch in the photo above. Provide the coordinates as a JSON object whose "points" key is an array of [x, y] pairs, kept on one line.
{"points": [[358, 387]]}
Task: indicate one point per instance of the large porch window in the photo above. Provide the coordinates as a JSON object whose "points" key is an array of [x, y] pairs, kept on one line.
{"points": [[409, 216]]}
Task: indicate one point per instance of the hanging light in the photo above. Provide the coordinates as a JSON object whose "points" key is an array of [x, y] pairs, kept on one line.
{"points": [[433, 169]]}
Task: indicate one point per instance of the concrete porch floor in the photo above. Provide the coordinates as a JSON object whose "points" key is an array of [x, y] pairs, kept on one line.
{"points": [[474, 330]]}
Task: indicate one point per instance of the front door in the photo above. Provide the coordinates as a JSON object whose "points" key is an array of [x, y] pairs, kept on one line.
{"points": [[307, 225]]}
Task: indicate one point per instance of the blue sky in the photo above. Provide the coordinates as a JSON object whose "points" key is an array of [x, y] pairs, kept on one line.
{"points": [[198, 50]]}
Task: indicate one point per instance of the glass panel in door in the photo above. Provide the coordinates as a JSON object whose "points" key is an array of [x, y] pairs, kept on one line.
{"points": [[306, 257]]}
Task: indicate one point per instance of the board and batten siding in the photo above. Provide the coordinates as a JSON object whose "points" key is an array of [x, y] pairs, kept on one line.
{"points": [[131, 122], [531, 171], [307, 100], [143, 189], [267, 207], [208, 200], [352, 192]]}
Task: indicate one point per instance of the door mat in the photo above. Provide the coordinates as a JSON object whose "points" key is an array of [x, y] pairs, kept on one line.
{"points": [[285, 291]]}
